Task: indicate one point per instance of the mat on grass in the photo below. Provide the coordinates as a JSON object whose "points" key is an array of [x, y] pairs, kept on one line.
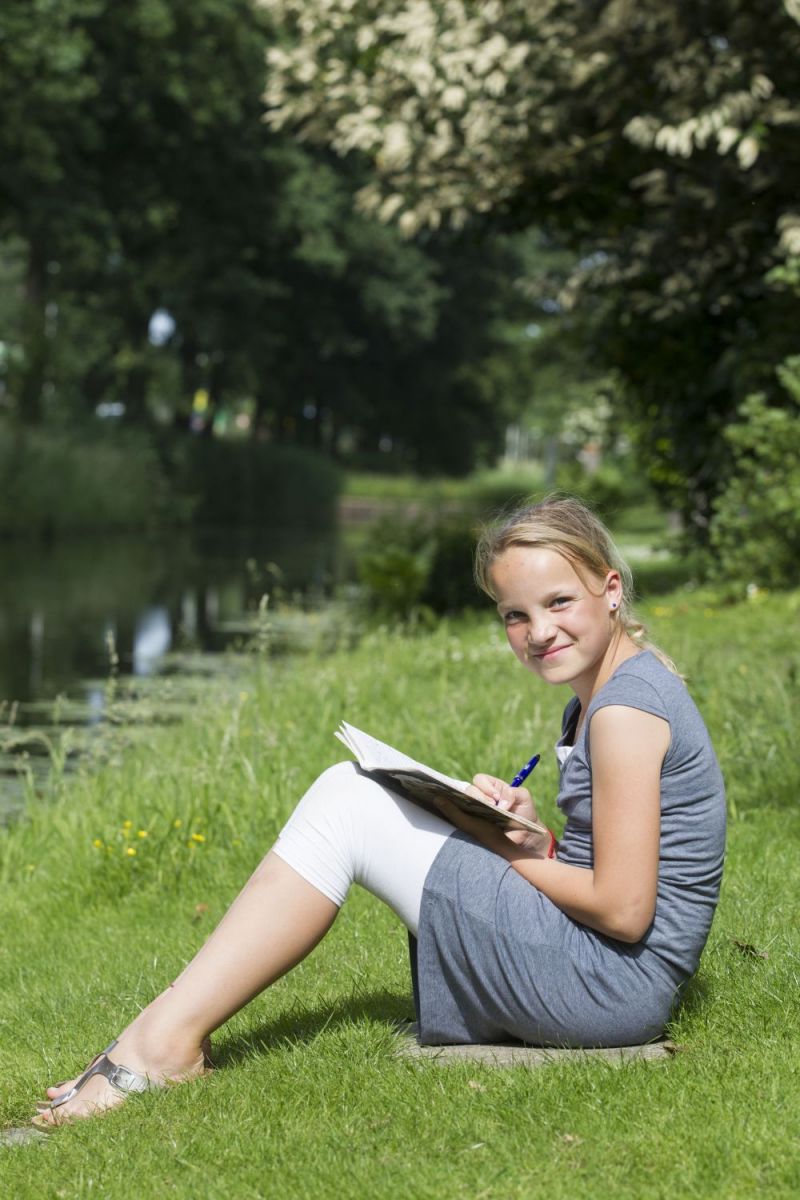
{"points": [[513, 1054]]}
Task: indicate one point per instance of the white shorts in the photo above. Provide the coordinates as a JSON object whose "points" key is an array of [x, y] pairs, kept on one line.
{"points": [[350, 829]]}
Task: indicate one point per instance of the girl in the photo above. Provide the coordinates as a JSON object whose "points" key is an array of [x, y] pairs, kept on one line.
{"points": [[586, 947]]}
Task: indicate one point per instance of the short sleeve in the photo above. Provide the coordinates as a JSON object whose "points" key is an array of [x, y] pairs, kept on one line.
{"points": [[629, 691]]}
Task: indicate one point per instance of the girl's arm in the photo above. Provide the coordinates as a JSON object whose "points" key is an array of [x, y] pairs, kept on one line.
{"points": [[617, 896]]}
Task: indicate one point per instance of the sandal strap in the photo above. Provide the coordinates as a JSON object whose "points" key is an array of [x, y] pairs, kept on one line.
{"points": [[122, 1079]]}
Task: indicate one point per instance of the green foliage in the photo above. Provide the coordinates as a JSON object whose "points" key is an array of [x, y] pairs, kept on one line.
{"points": [[424, 563], [755, 530], [139, 173], [393, 575], [57, 482], [413, 568], [614, 487], [653, 143], [247, 482], [480, 493]]}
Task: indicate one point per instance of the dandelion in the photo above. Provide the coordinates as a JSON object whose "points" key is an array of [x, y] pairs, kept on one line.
{"points": [[197, 837], [98, 843], [176, 824], [130, 851], [143, 833], [127, 824]]}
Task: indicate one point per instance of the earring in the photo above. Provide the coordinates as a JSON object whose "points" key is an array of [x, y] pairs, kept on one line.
{"points": [[613, 606]]}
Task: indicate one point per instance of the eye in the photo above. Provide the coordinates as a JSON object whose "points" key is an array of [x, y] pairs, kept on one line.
{"points": [[512, 617], [561, 601]]}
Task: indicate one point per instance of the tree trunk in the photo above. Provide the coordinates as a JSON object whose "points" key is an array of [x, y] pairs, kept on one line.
{"points": [[31, 379]]}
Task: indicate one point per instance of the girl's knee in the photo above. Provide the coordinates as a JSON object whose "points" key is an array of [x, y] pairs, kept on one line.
{"points": [[341, 776], [335, 784]]}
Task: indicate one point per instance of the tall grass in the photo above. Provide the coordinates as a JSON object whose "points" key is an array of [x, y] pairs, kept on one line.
{"points": [[310, 1100]]}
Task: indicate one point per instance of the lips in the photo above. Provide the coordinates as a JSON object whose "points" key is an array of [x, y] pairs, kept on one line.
{"points": [[545, 655]]}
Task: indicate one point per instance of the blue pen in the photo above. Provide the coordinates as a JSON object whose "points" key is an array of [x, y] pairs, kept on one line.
{"points": [[525, 771]]}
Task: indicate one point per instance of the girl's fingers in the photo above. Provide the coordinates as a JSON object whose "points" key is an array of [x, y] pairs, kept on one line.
{"points": [[491, 787]]}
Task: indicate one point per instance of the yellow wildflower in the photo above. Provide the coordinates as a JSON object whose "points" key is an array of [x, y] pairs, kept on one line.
{"points": [[198, 837], [98, 844], [130, 851], [143, 833], [127, 824], [176, 824]]}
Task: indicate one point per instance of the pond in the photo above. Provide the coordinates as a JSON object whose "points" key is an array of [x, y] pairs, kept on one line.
{"points": [[75, 613]]}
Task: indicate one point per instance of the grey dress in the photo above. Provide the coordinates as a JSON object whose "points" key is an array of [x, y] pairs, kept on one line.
{"points": [[494, 958]]}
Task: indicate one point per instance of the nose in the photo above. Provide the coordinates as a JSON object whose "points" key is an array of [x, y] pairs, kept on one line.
{"points": [[541, 630]]}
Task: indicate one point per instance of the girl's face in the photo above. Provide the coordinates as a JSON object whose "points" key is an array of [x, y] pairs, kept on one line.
{"points": [[557, 627]]}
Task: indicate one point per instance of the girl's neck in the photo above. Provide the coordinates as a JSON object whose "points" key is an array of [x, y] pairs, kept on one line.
{"points": [[619, 651]]}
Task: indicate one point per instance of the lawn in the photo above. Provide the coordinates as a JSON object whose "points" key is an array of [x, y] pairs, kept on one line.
{"points": [[310, 1100]]}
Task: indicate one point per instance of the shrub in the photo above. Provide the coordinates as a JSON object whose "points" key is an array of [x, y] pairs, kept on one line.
{"points": [[755, 529], [495, 490], [450, 586], [248, 483], [55, 482], [409, 567], [615, 486]]}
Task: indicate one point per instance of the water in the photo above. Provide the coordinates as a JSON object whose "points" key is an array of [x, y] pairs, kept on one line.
{"points": [[75, 614]]}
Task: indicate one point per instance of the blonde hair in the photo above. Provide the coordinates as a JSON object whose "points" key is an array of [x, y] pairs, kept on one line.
{"points": [[568, 526]]}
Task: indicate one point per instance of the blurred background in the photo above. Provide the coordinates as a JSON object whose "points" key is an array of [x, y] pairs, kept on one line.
{"points": [[292, 294]]}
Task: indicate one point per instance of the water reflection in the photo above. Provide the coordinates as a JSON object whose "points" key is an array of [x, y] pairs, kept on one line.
{"points": [[67, 610], [152, 638]]}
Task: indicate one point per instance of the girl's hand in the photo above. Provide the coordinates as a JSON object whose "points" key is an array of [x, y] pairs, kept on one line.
{"points": [[513, 799]]}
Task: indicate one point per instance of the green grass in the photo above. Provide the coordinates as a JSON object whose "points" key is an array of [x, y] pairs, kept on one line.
{"points": [[489, 488], [310, 1100]]}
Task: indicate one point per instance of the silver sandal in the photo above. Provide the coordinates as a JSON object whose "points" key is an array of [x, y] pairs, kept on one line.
{"points": [[122, 1079]]}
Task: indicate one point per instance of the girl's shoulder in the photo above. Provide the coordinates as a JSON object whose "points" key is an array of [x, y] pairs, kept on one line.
{"points": [[643, 682]]}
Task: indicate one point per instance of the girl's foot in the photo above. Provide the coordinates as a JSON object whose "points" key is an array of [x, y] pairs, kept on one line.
{"points": [[150, 1069]]}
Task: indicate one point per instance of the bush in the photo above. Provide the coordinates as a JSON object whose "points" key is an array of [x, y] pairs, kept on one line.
{"points": [[755, 529], [58, 482], [450, 586], [250, 483], [615, 486], [492, 491], [409, 567]]}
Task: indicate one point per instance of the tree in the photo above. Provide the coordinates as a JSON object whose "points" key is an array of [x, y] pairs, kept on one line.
{"points": [[143, 176], [656, 141]]}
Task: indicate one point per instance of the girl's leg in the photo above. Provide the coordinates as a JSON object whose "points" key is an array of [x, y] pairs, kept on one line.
{"points": [[346, 829]]}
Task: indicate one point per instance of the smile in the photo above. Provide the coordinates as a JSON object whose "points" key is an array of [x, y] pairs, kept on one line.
{"points": [[546, 655]]}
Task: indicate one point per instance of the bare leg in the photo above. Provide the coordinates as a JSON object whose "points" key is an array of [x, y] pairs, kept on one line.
{"points": [[346, 829], [276, 920]]}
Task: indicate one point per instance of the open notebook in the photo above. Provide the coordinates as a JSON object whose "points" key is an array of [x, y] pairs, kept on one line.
{"points": [[423, 784]]}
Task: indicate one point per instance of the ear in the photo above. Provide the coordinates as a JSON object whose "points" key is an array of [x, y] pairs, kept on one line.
{"points": [[614, 589]]}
